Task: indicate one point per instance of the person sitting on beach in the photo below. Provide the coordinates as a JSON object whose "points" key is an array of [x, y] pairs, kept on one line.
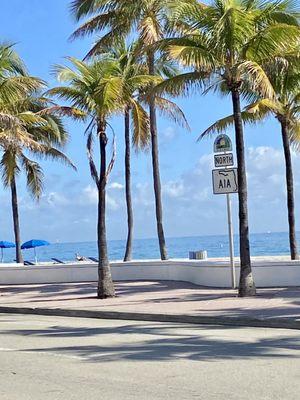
{"points": [[79, 257]]}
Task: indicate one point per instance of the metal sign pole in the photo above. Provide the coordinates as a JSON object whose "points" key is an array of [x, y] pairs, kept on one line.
{"points": [[230, 236], [231, 246], [225, 182]]}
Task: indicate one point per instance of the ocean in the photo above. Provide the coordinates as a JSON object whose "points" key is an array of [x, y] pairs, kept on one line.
{"points": [[216, 246]]}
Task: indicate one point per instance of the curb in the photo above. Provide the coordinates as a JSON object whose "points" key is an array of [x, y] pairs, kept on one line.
{"points": [[179, 318]]}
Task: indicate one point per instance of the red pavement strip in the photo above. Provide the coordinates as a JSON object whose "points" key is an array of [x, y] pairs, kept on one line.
{"points": [[165, 301]]}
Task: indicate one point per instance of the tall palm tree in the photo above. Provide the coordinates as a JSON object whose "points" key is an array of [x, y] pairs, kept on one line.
{"points": [[149, 18], [284, 75], [41, 134], [100, 90], [15, 84], [134, 71], [134, 114], [224, 46]]}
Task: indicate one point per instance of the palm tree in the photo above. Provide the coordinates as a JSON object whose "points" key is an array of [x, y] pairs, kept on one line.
{"points": [[118, 19], [224, 46], [284, 75], [134, 71], [42, 134], [133, 74], [100, 90], [14, 83]]}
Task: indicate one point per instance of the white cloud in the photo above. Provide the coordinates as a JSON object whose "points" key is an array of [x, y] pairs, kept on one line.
{"points": [[116, 185], [174, 189], [168, 134], [167, 137], [56, 199], [112, 203], [90, 194]]}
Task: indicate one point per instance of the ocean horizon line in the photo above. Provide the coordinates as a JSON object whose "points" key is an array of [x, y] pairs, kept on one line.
{"points": [[175, 237]]}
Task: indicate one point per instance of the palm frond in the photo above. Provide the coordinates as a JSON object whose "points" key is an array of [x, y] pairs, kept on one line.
{"points": [[8, 122], [34, 176], [181, 85], [257, 77], [294, 133], [150, 29], [172, 111], [12, 88], [93, 168], [223, 124], [265, 106], [10, 62], [112, 159], [9, 167], [57, 155], [140, 126], [64, 111], [82, 8], [96, 23]]}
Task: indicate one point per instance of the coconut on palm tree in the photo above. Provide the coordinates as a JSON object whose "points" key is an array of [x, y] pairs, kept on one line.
{"points": [[224, 45], [40, 133], [117, 19]]}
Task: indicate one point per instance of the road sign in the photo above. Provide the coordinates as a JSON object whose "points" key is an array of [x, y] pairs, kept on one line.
{"points": [[224, 160], [222, 144], [225, 181]]}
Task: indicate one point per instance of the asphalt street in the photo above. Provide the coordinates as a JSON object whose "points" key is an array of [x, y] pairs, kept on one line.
{"points": [[58, 358]]}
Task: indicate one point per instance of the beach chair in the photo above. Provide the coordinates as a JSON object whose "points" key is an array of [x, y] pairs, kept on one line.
{"points": [[93, 259], [29, 263], [57, 260]]}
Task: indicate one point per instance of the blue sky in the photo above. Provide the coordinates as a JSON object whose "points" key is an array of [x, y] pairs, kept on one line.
{"points": [[67, 210]]}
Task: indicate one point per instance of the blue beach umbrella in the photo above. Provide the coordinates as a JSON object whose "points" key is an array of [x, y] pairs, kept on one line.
{"points": [[32, 244], [5, 245]]}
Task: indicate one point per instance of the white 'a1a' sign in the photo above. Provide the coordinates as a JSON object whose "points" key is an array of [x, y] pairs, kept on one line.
{"points": [[225, 181]]}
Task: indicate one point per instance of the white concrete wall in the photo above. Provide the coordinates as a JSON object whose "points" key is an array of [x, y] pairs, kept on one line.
{"points": [[270, 273]]}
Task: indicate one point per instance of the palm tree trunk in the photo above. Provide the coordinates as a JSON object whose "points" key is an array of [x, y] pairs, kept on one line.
{"points": [[128, 252], [290, 191], [155, 167], [15, 211], [105, 283], [247, 286]]}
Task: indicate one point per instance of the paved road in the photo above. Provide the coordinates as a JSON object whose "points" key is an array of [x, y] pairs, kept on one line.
{"points": [[67, 358]]}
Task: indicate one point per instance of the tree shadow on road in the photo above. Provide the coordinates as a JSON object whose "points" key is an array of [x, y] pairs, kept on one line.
{"points": [[162, 341]]}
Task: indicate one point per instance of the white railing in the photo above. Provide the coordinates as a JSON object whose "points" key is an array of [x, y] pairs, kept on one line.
{"points": [[268, 272]]}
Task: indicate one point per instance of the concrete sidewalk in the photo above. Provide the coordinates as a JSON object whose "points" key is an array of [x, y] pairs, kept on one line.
{"points": [[158, 301]]}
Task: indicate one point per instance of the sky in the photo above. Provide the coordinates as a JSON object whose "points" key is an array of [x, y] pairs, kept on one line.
{"points": [[67, 209]]}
